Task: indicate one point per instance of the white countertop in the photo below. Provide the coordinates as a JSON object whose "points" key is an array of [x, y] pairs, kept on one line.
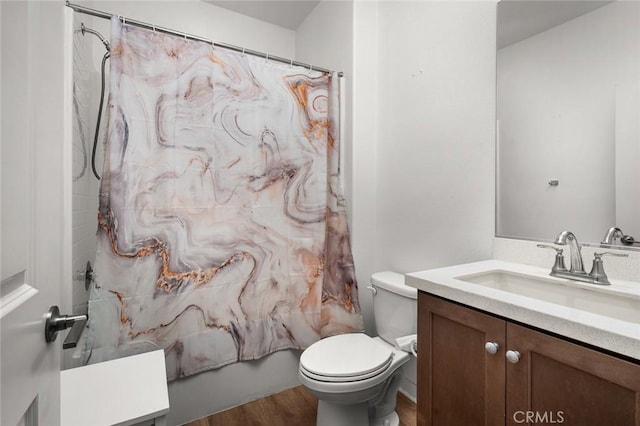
{"points": [[123, 391], [616, 335]]}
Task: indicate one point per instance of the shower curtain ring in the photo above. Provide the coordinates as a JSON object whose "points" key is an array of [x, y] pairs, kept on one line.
{"points": [[266, 57], [124, 20], [154, 28]]}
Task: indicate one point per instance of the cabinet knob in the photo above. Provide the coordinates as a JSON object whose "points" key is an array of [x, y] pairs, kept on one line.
{"points": [[491, 347], [513, 356]]}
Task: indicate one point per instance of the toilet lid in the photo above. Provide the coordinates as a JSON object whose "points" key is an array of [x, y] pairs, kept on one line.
{"points": [[346, 356]]}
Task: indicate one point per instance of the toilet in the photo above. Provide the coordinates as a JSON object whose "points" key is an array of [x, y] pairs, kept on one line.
{"points": [[356, 377]]}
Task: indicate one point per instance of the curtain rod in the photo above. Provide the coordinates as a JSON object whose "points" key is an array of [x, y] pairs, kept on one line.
{"points": [[124, 20]]}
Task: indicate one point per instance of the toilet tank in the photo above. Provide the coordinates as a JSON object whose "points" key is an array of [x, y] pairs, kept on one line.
{"points": [[395, 307]]}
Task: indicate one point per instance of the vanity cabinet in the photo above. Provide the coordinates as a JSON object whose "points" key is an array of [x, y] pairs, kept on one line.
{"points": [[547, 380]]}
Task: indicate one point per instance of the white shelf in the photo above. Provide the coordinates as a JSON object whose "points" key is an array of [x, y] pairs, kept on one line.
{"points": [[120, 392]]}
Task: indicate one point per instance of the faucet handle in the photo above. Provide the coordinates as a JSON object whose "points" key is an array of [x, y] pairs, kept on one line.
{"points": [[609, 253], [558, 265], [597, 270], [558, 250]]}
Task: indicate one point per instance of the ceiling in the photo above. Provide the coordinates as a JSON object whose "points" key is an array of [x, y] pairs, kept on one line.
{"points": [[521, 19], [517, 19], [288, 13]]}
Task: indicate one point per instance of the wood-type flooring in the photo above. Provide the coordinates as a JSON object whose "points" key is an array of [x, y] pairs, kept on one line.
{"points": [[292, 407]]}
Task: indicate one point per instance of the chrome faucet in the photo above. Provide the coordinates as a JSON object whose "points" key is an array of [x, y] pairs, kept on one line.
{"points": [[566, 237], [611, 235], [577, 273]]}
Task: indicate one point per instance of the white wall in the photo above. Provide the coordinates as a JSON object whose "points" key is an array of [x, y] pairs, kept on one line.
{"points": [[436, 133], [214, 390], [435, 137], [556, 104], [364, 147]]}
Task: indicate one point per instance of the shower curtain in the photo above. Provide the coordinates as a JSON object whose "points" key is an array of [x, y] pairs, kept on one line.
{"points": [[222, 233]]}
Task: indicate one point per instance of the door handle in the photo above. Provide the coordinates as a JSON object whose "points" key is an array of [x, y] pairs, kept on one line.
{"points": [[56, 322]]}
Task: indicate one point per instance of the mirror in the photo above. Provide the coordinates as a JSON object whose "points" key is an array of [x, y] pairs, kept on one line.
{"points": [[568, 119]]}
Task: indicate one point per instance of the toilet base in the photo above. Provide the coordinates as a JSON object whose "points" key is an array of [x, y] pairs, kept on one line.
{"points": [[391, 419], [351, 415], [330, 414]]}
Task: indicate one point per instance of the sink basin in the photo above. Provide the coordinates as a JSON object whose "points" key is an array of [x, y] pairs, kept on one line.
{"points": [[585, 297]]}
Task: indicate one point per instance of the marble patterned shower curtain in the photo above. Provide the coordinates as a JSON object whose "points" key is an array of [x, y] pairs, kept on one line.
{"points": [[222, 233]]}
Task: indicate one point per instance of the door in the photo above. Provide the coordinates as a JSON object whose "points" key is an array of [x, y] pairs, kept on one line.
{"points": [[555, 381], [32, 206], [460, 378]]}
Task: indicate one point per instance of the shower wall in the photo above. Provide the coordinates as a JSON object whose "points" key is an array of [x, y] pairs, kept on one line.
{"points": [[85, 185], [86, 92]]}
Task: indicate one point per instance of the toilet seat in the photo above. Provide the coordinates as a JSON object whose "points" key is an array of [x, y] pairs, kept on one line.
{"points": [[338, 379], [345, 358]]}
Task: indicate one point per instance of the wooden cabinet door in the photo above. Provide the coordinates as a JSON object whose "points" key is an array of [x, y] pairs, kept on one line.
{"points": [[459, 382], [563, 382]]}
